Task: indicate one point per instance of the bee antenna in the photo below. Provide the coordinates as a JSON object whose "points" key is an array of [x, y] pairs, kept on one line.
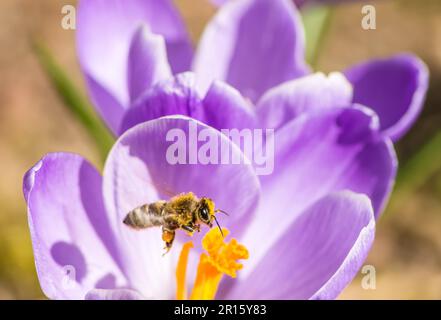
{"points": [[220, 229], [222, 211]]}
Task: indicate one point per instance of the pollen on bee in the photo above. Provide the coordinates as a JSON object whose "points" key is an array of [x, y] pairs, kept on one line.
{"points": [[167, 236]]}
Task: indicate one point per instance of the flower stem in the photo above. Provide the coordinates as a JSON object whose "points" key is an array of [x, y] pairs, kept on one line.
{"points": [[422, 166], [75, 101], [316, 21]]}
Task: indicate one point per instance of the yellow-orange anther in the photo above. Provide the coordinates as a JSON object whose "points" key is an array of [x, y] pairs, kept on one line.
{"points": [[220, 258]]}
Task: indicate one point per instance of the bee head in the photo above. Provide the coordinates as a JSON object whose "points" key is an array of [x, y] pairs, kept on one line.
{"points": [[206, 211]]}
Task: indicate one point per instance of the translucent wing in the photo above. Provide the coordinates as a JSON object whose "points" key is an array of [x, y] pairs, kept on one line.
{"points": [[164, 190]]}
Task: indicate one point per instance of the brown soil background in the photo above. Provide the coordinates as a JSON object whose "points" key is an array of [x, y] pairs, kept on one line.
{"points": [[33, 121]]}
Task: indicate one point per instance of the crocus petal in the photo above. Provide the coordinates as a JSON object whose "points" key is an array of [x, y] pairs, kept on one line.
{"points": [[74, 248], [116, 294], [223, 107], [176, 95], [319, 254], [317, 154], [140, 170], [312, 93], [252, 45], [395, 88], [108, 107], [148, 62], [104, 32]]}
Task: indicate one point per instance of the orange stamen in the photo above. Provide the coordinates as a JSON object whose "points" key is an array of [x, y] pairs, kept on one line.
{"points": [[181, 271], [220, 258]]}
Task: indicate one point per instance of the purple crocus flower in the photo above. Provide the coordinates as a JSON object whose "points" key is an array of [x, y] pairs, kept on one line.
{"points": [[254, 45], [315, 214], [302, 215]]}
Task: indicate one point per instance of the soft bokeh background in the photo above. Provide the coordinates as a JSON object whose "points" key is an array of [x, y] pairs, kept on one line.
{"points": [[34, 121]]}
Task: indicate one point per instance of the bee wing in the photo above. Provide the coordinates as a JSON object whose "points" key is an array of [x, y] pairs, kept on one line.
{"points": [[164, 190]]}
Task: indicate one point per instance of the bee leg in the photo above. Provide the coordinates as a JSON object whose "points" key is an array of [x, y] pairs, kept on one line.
{"points": [[189, 230], [168, 236]]}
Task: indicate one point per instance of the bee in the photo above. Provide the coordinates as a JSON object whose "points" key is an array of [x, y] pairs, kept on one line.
{"points": [[184, 211]]}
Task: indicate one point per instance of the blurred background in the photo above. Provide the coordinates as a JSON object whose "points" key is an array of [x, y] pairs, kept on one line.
{"points": [[34, 121]]}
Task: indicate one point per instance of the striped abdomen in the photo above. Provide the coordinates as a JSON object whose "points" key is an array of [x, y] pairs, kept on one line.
{"points": [[145, 216]]}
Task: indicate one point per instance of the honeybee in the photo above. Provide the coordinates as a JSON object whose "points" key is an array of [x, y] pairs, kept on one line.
{"points": [[184, 211]]}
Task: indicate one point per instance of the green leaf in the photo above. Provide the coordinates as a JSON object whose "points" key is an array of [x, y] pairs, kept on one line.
{"points": [[422, 166], [75, 101], [316, 21]]}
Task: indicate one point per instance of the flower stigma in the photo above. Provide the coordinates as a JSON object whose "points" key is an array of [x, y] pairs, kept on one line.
{"points": [[220, 258]]}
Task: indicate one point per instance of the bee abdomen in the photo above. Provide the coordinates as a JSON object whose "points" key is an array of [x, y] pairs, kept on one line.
{"points": [[148, 215]]}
